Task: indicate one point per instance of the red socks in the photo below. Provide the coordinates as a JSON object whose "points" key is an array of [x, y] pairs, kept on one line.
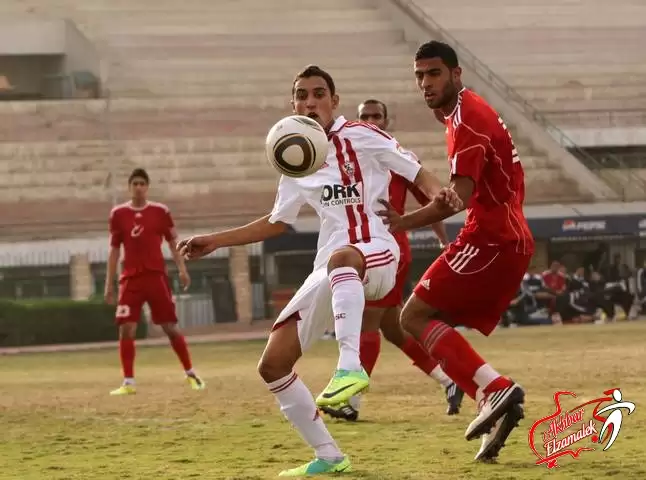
{"points": [[181, 349], [127, 355], [369, 348], [458, 359], [420, 357]]}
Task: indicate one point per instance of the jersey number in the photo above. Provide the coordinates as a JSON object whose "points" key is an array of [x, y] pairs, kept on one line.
{"points": [[514, 152], [123, 311]]}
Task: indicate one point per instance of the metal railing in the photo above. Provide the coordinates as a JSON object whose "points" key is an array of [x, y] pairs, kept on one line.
{"points": [[515, 99]]}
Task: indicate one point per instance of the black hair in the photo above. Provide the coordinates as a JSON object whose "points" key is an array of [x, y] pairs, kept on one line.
{"points": [[373, 101], [435, 49], [315, 71], [139, 173]]}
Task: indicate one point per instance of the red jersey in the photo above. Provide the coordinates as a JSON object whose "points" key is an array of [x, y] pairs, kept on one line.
{"points": [[397, 191], [141, 231], [480, 147], [554, 281]]}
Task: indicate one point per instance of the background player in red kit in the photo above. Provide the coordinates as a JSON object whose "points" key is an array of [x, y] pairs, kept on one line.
{"points": [[384, 314], [555, 282], [554, 279], [476, 277], [141, 226]]}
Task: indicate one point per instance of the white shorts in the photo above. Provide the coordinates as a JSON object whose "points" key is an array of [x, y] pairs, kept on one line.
{"points": [[312, 303]]}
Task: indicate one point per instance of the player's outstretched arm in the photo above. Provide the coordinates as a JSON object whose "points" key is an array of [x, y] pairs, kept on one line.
{"points": [[427, 183], [442, 207], [256, 231]]}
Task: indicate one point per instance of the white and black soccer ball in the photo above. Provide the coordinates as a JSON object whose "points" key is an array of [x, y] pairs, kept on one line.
{"points": [[296, 146]]}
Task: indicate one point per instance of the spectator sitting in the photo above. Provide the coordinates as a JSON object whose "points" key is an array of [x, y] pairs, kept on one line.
{"points": [[576, 304], [534, 283], [524, 310], [618, 289], [641, 287]]}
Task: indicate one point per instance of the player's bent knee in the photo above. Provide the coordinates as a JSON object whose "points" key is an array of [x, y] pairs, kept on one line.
{"points": [[406, 317], [388, 334], [170, 329], [405, 321], [392, 329], [272, 369], [415, 314], [281, 353], [265, 370], [347, 257]]}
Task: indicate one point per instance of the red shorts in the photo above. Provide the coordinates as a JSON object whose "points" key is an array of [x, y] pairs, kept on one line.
{"points": [[151, 288], [473, 286], [395, 297]]}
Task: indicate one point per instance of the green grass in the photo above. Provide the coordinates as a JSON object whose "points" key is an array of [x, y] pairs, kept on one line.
{"points": [[59, 423]]}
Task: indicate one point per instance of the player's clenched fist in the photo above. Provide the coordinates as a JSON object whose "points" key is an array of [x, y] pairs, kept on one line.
{"points": [[450, 198], [196, 247]]}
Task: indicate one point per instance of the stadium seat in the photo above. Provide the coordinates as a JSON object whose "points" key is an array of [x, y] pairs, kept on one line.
{"points": [[193, 88], [563, 57]]}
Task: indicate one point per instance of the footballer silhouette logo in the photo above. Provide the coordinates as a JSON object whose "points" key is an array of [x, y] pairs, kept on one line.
{"points": [[613, 421], [576, 430]]}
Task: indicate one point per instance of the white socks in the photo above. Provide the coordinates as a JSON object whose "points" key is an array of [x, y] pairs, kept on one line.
{"points": [[348, 301], [298, 406], [438, 374], [485, 375]]}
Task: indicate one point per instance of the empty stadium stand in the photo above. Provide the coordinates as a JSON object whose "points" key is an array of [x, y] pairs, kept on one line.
{"points": [[192, 88], [581, 62]]}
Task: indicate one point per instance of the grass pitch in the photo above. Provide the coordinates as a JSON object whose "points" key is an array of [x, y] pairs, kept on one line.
{"points": [[59, 423]]}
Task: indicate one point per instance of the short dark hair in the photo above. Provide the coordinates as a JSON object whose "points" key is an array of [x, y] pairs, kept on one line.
{"points": [[374, 101], [314, 71], [435, 49], [139, 173]]}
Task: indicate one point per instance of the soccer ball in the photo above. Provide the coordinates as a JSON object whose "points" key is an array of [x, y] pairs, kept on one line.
{"points": [[296, 146]]}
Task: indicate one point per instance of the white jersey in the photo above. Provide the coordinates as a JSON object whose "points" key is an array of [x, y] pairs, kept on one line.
{"points": [[346, 189]]}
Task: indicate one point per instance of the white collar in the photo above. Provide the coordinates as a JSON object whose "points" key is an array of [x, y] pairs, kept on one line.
{"points": [[338, 124], [138, 209], [457, 105]]}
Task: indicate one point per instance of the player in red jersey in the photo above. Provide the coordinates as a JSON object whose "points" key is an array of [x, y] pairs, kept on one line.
{"points": [[384, 314], [555, 282], [141, 226], [474, 280]]}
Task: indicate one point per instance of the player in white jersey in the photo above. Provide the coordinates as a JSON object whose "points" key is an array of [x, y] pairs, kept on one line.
{"points": [[357, 259]]}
